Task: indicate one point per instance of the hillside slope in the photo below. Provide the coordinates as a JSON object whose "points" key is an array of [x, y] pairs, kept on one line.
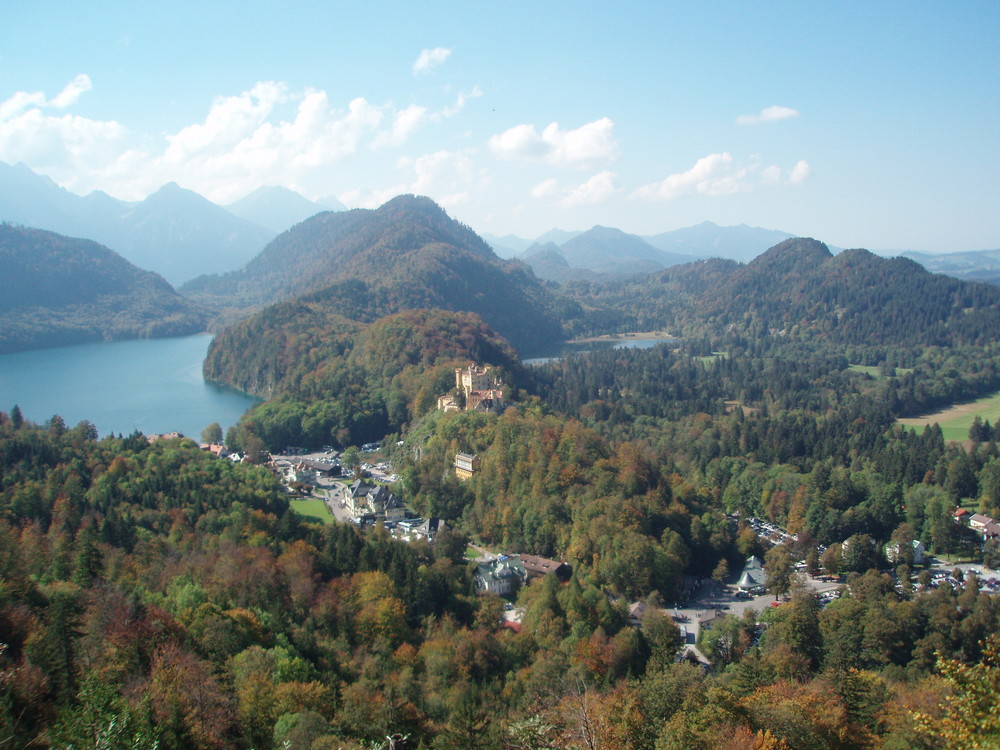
{"points": [[56, 290], [408, 254]]}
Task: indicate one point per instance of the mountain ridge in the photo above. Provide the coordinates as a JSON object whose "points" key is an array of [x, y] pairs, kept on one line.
{"points": [[277, 208], [174, 232], [58, 290], [367, 263]]}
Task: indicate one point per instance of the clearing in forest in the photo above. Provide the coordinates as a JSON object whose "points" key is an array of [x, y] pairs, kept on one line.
{"points": [[956, 420], [313, 508]]}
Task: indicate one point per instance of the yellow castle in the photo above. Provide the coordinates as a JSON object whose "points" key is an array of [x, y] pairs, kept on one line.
{"points": [[482, 391]]}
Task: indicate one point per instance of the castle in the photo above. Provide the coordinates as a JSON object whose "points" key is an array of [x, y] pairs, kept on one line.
{"points": [[481, 392]]}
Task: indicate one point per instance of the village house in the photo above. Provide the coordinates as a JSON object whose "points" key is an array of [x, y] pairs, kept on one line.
{"points": [[466, 464], [412, 529], [636, 613], [536, 567], [919, 552], [475, 390], [753, 579], [977, 522], [216, 449], [497, 576], [364, 499], [986, 527], [502, 576]]}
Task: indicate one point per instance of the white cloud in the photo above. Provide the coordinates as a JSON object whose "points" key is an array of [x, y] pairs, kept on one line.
{"points": [[800, 172], [265, 135], [430, 58], [597, 189], [68, 96], [719, 174], [594, 141], [230, 120], [56, 142], [714, 174], [771, 175], [23, 100], [545, 189], [461, 101], [240, 144], [768, 114], [445, 176], [404, 124]]}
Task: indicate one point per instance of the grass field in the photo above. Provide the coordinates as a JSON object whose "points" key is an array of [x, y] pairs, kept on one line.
{"points": [[956, 420], [313, 508], [873, 370], [714, 356]]}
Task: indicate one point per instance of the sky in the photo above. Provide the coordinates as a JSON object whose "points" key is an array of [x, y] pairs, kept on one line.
{"points": [[861, 124]]}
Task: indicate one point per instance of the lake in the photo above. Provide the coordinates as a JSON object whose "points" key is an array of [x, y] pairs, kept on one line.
{"points": [[582, 347], [151, 385]]}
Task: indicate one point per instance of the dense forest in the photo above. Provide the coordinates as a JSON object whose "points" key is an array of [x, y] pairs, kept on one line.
{"points": [[156, 596], [57, 290], [152, 595]]}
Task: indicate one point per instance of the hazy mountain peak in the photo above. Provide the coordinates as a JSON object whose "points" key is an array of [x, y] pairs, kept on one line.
{"points": [[275, 207], [558, 236], [550, 251]]}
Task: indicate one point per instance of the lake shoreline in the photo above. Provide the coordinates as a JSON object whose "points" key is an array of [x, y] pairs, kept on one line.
{"points": [[620, 337]]}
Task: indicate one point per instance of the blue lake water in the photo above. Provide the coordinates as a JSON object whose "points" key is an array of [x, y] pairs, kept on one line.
{"points": [[152, 385], [582, 347]]}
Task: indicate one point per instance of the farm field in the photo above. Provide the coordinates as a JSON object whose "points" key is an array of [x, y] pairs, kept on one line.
{"points": [[312, 507], [956, 420]]}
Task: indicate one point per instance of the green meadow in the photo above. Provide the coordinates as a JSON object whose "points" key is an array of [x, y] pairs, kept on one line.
{"points": [[956, 420], [873, 370], [312, 507]]}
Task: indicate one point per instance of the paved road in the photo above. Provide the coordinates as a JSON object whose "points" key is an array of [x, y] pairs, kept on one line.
{"points": [[334, 493]]}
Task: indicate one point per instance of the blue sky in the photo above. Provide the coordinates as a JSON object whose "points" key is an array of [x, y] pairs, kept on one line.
{"points": [[861, 124]]}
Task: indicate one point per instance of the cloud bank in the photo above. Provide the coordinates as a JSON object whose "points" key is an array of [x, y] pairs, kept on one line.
{"points": [[594, 141], [719, 174], [268, 134]]}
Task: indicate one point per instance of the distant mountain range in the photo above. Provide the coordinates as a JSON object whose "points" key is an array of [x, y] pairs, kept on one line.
{"points": [[798, 288], [708, 240], [972, 265], [607, 251], [57, 290], [278, 208], [173, 232]]}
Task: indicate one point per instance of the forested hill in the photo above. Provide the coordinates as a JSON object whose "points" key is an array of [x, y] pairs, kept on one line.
{"points": [[333, 245], [57, 290], [408, 254], [799, 288], [333, 379]]}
